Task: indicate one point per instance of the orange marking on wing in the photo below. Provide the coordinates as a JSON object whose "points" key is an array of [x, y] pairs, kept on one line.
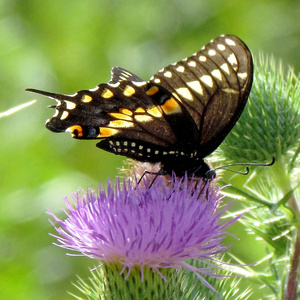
{"points": [[120, 124], [154, 111], [153, 90], [139, 110], [75, 130], [120, 116], [126, 111], [106, 94], [128, 91], [86, 98], [171, 106], [106, 132]]}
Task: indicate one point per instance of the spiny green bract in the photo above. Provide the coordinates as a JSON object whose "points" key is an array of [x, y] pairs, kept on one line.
{"points": [[270, 124]]}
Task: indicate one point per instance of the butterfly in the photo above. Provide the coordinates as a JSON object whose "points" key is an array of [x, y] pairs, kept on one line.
{"points": [[177, 118]]}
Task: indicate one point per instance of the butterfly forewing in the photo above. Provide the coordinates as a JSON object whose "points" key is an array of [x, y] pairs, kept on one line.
{"points": [[177, 118], [213, 84]]}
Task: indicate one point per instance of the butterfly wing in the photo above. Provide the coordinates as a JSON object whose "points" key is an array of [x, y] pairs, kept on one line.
{"points": [[132, 117], [177, 118], [213, 84]]}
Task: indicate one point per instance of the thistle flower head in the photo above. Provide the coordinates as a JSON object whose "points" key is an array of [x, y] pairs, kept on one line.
{"points": [[158, 227], [269, 126]]}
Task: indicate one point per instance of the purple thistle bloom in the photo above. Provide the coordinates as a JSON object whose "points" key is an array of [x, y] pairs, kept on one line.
{"points": [[157, 227]]}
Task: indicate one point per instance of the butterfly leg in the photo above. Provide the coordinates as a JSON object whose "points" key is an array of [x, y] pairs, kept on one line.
{"points": [[149, 173]]}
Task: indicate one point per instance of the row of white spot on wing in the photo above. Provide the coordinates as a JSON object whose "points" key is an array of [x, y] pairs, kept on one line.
{"points": [[184, 91], [216, 73], [114, 84], [139, 83], [169, 74], [156, 80], [96, 88], [140, 150], [206, 79], [233, 60]]}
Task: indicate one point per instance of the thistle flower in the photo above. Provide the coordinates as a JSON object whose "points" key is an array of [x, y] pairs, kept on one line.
{"points": [[155, 228]]}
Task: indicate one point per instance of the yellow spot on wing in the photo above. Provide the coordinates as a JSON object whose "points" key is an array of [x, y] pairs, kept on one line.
{"points": [[120, 124], [75, 130], [202, 58], [64, 115], [120, 116], [171, 106], [232, 59], [128, 91], [154, 111], [106, 94], [207, 80], [153, 90], [225, 68], [126, 111], [221, 47], [139, 110], [230, 42], [184, 92], [212, 52], [196, 86], [70, 105], [106, 132], [242, 75], [86, 98], [143, 118], [217, 74]]}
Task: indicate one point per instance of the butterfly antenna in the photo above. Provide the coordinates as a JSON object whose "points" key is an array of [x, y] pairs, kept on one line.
{"points": [[246, 164]]}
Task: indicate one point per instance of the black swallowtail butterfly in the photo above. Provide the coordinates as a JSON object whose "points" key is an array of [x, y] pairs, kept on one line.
{"points": [[177, 118]]}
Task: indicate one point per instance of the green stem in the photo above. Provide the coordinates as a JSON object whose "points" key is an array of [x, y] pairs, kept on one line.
{"points": [[291, 291], [284, 182], [294, 206]]}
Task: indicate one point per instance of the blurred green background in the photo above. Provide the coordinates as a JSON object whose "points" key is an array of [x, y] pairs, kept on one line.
{"points": [[64, 46]]}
